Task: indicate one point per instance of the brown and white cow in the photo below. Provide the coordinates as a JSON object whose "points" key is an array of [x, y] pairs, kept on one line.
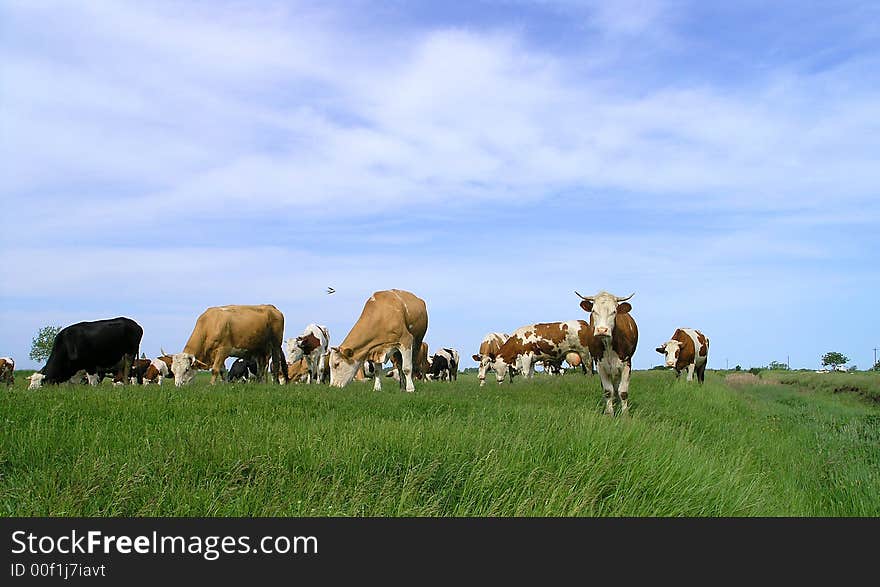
{"points": [[159, 369], [238, 331], [488, 349], [392, 320], [687, 349], [311, 345], [547, 341], [7, 370], [614, 339]]}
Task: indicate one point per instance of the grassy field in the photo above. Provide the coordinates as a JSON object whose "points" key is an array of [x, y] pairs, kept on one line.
{"points": [[538, 448]]}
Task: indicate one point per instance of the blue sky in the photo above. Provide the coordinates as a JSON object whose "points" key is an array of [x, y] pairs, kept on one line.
{"points": [[717, 159]]}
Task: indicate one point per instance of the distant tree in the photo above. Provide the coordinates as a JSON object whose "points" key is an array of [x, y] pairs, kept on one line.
{"points": [[658, 368], [41, 345], [833, 359], [738, 368], [755, 370], [853, 369], [777, 366]]}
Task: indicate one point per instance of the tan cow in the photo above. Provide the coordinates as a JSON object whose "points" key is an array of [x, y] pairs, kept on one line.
{"points": [[614, 339], [392, 320], [489, 346], [298, 371], [7, 370], [687, 349], [238, 331]]}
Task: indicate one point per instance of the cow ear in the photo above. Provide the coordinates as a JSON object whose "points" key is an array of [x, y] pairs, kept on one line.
{"points": [[349, 353], [476, 357], [587, 305], [661, 350], [624, 308]]}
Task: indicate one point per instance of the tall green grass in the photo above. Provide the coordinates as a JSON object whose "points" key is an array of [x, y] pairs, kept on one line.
{"points": [[536, 448]]}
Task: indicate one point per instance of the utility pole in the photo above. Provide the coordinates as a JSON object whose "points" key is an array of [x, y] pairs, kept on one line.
{"points": [[875, 357], [727, 365], [788, 361]]}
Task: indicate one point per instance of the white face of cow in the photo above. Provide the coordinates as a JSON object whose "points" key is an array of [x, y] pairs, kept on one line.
{"points": [[183, 366], [670, 349], [342, 367], [603, 309], [503, 369], [36, 380], [485, 363]]}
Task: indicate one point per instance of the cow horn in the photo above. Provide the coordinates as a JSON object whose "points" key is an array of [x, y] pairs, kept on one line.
{"points": [[161, 350], [589, 299], [626, 298]]}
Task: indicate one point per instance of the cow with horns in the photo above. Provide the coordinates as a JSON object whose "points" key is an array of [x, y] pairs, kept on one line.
{"points": [[614, 339]]}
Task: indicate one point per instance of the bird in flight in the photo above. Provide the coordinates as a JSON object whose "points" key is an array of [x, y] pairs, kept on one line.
{"points": [[330, 290]]}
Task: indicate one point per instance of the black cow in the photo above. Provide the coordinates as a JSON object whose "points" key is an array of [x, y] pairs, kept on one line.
{"points": [[242, 369], [440, 367], [91, 346]]}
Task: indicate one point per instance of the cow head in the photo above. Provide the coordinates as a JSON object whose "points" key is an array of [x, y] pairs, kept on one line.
{"points": [[343, 366], [603, 308], [36, 380], [670, 349], [502, 368], [184, 367]]}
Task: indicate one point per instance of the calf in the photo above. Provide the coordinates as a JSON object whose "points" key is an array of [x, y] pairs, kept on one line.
{"points": [[614, 336], [687, 349], [7, 370], [243, 369]]}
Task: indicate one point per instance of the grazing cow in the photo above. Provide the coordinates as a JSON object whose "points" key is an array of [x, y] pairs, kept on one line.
{"points": [[7, 370], [91, 346], [242, 369], [444, 365], [159, 369], [488, 349], [136, 374], [548, 341], [614, 339], [312, 344], [298, 371], [687, 349], [392, 320], [238, 331], [554, 367]]}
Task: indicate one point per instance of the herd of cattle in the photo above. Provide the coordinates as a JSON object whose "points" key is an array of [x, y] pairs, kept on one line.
{"points": [[391, 327]]}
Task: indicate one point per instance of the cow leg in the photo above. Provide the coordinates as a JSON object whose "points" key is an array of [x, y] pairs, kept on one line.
{"points": [[690, 376], [320, 369], [407, 368], [623, 389], [377, 380], [218, 367], [701, 373], [608, 389]]}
